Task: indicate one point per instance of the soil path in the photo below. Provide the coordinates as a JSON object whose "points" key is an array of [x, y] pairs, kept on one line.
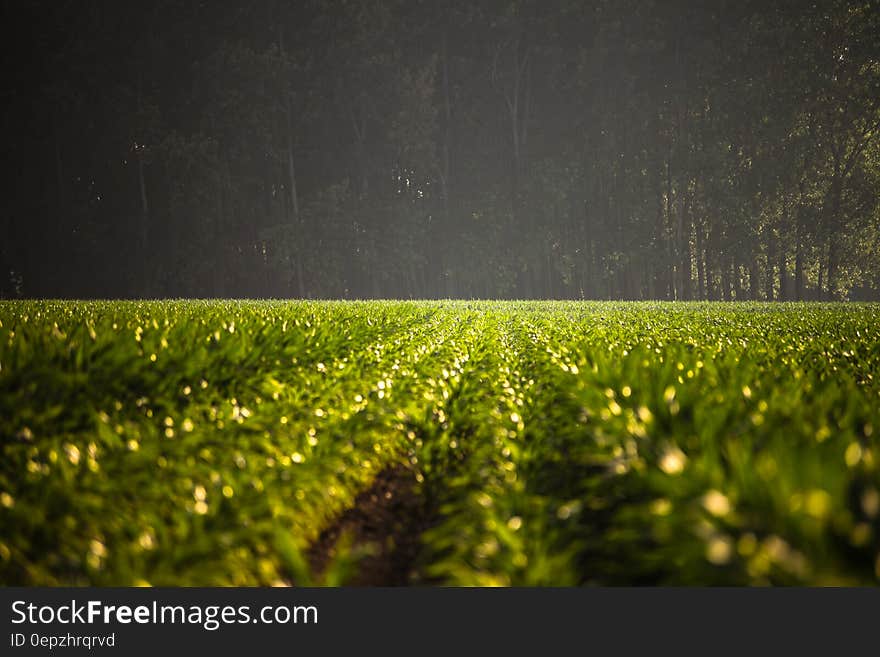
{"points": [[388, 519]]}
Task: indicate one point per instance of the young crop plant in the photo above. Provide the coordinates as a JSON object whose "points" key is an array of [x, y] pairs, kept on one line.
{"points": [[448, 442]]}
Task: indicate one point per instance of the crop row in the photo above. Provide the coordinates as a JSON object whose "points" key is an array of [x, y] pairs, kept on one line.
{"points": [[692, 446]]}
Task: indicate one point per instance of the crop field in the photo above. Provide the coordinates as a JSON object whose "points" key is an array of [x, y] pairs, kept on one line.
{"points": [[455, 443]]}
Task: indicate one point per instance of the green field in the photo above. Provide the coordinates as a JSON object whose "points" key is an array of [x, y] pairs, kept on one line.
{"points": [[544, 443]]}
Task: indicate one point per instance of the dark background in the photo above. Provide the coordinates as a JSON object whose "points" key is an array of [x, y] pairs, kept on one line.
{"points": [[510, 621], [402, 148]]}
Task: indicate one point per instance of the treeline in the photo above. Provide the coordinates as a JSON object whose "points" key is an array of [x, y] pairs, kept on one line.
{"points": [[394, 148]]}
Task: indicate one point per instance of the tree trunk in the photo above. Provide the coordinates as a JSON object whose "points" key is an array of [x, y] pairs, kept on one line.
{"points": [[291, 170], [701, 264], [670, 256], [440, 256], [736, 278], [518, 101], [783, 276], [687, 258], [145, 210], [710, 279], [54, 246], [798, 262], [833, 223], [447, 127], [59, 171], [145, 206], [217, 233], [659, 251], [725, 277], [682, 260], [678, 145], [754, 282], [714, 258], [832, 267], [294, 220], [771, 259]]}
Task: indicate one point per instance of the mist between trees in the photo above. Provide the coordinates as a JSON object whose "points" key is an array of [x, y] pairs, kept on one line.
{"points": [[333, 148]]}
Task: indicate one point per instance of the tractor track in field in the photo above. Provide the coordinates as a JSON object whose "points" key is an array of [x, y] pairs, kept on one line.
{"points": [[386, 521]]}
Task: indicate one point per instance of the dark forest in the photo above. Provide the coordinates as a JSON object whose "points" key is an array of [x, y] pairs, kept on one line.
{"points": [[675, 150]]}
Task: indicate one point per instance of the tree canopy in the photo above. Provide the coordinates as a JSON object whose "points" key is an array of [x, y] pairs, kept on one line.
{"points": [[398, 148]]}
